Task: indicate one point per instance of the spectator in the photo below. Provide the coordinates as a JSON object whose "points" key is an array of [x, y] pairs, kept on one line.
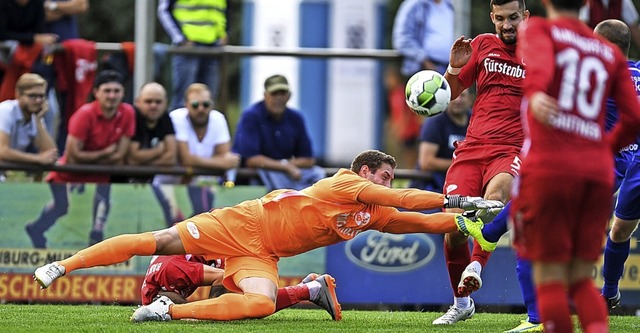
{"points": [[596, 11], [99, 133], [154, 143], [23, 21], [404, 124], [60, 17], [423, 34], [203, 142], [199, 23], [273, 138], [22, 124], [438, 138], [61, 20]]}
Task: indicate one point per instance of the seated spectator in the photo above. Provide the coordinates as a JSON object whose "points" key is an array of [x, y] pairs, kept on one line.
{"points": [[99, 133], [22, 124], [154, 143], [273, 138], [203, 142]]}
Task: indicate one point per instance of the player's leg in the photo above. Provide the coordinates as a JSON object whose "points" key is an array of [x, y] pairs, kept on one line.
{"points": [[590, 307], [253, 282], [498, 188], [463, 177], [319, 289], [101, 207], [551, 287], [112, 251], [55, 209], [625, 221], [587, 231], [527, 288]]}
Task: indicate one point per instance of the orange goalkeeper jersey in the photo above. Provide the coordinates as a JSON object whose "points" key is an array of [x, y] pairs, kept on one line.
{"points": [[338, 208]]}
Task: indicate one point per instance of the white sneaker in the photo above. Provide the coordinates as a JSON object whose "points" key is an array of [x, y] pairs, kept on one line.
{"points": [[470, 281], [158, 310], [455, 315], [45, 275]]}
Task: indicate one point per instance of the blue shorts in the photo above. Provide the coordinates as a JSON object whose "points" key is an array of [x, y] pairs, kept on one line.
{"points": [[628, 203], [621, 161]]}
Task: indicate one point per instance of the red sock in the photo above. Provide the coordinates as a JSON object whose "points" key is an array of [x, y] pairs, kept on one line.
{"points": [[291, 295], [554, 307], [457, 260], [590, 307], [479, 254]]}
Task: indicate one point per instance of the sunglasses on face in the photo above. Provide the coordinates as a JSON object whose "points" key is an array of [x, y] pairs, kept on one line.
{"points": [[196, 104]]}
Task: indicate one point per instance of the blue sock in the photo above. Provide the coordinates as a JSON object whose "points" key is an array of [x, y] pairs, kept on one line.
{"points": [[494, 230], [523, 271], [615, 254]]}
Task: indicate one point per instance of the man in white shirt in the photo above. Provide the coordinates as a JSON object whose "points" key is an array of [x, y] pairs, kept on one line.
{"points": [[203, 142]]}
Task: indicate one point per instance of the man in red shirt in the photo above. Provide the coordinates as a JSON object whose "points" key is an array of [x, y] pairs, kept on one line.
{"points": [[567, 176], [99, 133], [485, 163]]}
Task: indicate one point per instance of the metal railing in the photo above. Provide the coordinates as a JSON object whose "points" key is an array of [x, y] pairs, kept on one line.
{"points": [[137, 170]]}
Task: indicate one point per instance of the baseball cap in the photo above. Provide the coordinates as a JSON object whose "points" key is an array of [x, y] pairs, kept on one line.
{"points": [[107, 76], [276, 83]]}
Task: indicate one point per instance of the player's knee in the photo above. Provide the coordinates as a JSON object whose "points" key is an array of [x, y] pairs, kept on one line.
{"points": [[59, 209], [260, 305], [621, 230]]}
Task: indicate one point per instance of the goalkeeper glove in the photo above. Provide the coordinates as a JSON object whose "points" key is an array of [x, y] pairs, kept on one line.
{"points": [[470, 203]]}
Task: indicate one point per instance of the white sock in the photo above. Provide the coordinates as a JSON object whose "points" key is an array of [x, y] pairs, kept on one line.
{"points": [[314, 289], [476, 265], [462, 302]]}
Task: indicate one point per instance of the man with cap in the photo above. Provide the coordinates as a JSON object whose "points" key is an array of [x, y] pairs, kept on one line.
{"points": [[274, 139], [99, 133]]}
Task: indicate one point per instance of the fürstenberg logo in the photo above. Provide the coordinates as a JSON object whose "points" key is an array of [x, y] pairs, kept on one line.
{"points": [[390, 253]]}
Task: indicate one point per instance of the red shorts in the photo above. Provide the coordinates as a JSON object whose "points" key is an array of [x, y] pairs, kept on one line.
{"points": [[475, 164], [557, 219]]}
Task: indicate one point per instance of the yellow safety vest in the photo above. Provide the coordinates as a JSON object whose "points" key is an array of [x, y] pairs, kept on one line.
{"points": [[201, 21]]}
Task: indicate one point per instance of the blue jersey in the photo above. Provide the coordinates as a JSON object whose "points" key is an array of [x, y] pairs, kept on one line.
{"points": [[626, 154]]}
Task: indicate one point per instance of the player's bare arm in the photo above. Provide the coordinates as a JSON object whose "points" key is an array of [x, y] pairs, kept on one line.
{"points": [[461, 51]]}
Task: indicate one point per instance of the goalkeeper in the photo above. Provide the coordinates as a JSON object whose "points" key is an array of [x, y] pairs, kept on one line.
{"points": [[254, 234]]}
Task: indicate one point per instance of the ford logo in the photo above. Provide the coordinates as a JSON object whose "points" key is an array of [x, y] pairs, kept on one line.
{"points": [[389, 252]]}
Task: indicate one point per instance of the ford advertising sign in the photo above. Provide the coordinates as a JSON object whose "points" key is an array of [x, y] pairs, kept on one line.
{"points": [[381, 252], [376, 267]]}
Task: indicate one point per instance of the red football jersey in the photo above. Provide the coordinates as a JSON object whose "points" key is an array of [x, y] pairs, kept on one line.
{"points": [[567, 61], [498, 75], [182, 274]]}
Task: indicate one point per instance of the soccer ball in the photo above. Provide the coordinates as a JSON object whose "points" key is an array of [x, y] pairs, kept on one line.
{"points": [[427, 93]]}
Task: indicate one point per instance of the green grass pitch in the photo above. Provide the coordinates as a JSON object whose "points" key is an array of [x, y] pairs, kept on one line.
{"points": [[96, 318]]}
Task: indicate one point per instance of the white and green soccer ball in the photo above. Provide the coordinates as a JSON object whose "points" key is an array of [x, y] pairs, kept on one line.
{"points": [[427, 93]]}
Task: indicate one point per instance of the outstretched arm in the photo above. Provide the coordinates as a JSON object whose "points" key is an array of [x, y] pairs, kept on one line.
{"points": [[412, 222], [411, 199]]}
